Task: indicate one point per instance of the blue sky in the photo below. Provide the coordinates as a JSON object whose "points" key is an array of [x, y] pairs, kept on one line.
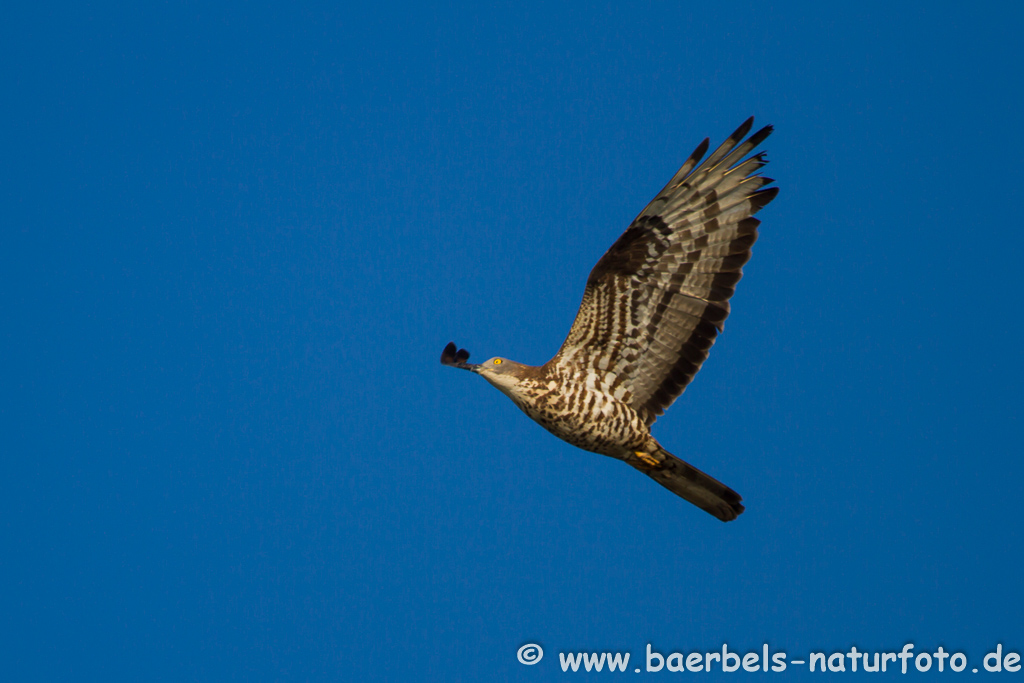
{"points": [[237, 236]]}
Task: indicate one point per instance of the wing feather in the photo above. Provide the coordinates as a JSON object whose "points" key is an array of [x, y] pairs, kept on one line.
{"points": [[657, 299]]}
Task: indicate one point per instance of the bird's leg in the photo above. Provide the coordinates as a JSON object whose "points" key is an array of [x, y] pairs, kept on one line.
{"points": [[647, 458]]}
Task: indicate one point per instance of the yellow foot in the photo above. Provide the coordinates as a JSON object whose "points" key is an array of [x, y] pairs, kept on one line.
{"points": [[647, 458]]}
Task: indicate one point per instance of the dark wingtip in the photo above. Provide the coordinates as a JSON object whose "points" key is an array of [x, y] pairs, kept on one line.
{"points": [[453, 355], [760, 199], [742, 131], [448, 355], [701, 150], [760, 136]]}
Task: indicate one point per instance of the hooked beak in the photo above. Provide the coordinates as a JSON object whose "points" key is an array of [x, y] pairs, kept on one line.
{"points": [[456, 358]]}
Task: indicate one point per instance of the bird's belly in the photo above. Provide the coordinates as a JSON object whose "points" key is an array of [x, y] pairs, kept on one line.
{"points": [[592, 421]]}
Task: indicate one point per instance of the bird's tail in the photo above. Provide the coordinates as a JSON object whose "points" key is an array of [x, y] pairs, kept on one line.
{"points": [[686, 481]]}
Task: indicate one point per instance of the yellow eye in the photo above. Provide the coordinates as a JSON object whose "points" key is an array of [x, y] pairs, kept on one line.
{"points": [[497, 361]]}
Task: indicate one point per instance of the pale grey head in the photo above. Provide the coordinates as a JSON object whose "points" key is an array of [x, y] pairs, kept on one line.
{"points": [[503, 373]]}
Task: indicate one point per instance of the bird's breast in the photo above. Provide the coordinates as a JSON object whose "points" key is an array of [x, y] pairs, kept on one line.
{"points": [[583, 413]]}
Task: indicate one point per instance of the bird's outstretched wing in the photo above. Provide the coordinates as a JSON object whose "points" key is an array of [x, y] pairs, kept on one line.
{"points": [[656, 300]]}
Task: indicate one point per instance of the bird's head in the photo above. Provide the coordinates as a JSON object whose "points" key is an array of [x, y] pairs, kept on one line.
{"points": [[501, 372]]}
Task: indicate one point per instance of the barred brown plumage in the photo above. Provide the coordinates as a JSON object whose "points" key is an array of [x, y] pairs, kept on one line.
{"points": [[651, 311]]}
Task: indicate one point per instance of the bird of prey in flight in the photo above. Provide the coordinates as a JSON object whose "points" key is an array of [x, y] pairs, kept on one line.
{"points": [[651, 310]]}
